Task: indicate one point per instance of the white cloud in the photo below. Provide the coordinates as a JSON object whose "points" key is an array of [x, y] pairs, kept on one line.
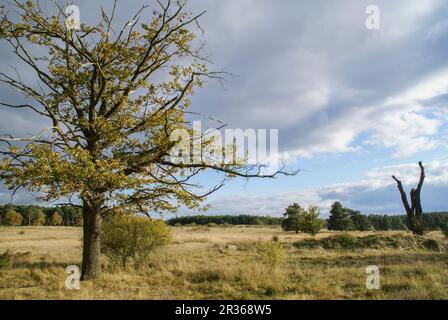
{"points": [[375, 193], [405, 124], [429, 87], [323, 80], [406, 132]]}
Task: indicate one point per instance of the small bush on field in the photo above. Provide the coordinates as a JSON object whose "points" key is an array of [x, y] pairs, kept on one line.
{"points": [[126, 237], [432, 244], [396, 241], [341, 241], [275, 238], [5, 260], [224, 225], [377, 241], [308, 244], [272, 253]]}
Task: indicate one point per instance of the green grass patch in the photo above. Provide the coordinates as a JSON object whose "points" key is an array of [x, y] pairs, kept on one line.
{"points": [[346, 241]]}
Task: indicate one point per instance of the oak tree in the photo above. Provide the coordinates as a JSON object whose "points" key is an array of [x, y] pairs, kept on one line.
{"points": [[112, 95]]}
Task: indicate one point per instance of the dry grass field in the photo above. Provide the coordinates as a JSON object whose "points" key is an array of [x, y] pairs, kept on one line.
{"points": [[197, 265]]}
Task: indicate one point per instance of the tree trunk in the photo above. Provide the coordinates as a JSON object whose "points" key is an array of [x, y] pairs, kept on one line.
{"points": [[91, 264], [414, 211]]}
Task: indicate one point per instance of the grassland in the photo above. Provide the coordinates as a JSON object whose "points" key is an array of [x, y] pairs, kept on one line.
{"points": [[197, 265]]}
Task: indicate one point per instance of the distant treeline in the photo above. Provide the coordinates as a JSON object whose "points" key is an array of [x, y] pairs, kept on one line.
{"points": [[379, 222], [234, 220], [72, 216], [17, 215], [432, 221]]}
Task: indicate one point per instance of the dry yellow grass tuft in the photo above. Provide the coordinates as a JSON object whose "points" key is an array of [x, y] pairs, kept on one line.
{"points": [[200, 265]]}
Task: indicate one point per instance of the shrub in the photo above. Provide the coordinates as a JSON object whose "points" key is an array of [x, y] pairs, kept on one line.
{"points": [[432, 244], [275, 238], [224, 225], [272, 253], [394, 241], [376, 241], [5, 260], [341, 241], [309, 243], [346, 241], [126, 237], [12, 218]]}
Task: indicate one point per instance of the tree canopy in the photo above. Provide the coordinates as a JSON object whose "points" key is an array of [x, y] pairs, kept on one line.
{"points": [[339, 218], [292, 217], [299, 219], [112, 96]]}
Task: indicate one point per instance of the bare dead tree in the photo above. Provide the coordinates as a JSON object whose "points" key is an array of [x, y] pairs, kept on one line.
{"points": [[413, 211]]}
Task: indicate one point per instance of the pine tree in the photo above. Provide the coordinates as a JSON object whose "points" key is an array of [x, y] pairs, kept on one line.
{"points": [[292, 214], [339, 218], [360, 221]]}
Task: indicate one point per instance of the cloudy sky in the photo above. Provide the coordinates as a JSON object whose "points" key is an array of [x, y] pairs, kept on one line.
{"points": [[353, 106]]}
